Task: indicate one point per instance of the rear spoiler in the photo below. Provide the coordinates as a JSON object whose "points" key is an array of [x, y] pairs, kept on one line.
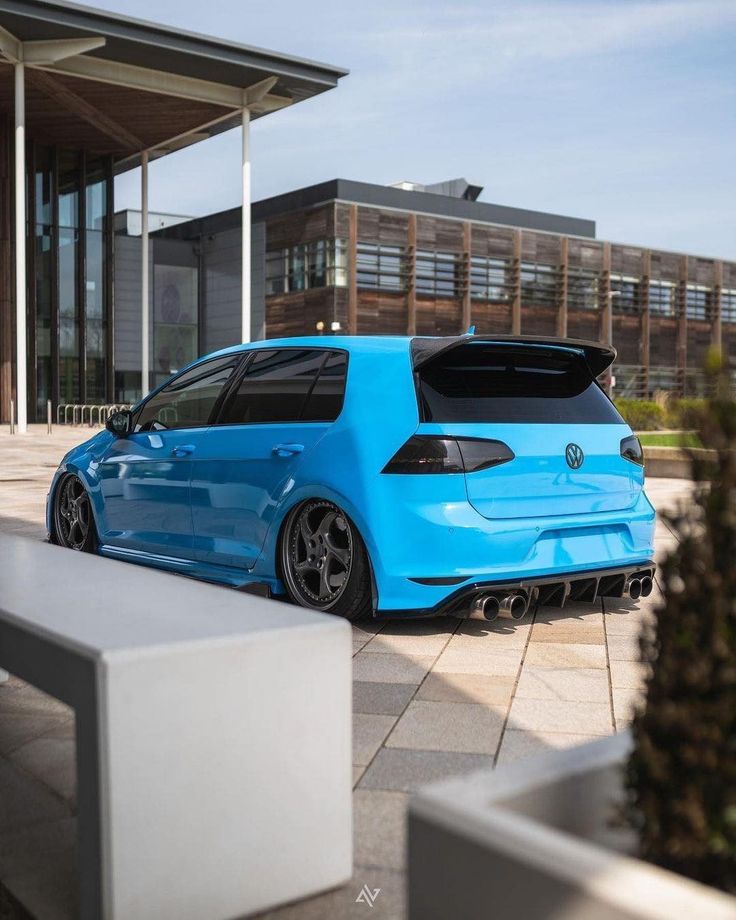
{"points": [[598, 357]]}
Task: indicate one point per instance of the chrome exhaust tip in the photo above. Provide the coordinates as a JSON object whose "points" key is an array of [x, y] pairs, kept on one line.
{"points": [[635, 589], [485, 607], [514, 606], [647, 585]]}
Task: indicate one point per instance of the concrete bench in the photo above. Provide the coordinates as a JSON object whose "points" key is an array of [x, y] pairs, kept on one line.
{"points": [[212, 733]]}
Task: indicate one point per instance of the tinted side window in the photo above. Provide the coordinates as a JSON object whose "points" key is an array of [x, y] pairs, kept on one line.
{"points": [[275, 387], [490, 383], [188, 400], [325, 400]]}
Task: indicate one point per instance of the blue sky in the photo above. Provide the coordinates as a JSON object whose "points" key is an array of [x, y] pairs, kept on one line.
{"points": [[620, 110]]}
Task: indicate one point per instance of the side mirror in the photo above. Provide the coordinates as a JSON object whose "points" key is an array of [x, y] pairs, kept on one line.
{"points": [[120, 423]]}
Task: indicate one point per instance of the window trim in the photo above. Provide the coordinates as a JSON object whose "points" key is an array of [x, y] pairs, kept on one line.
{"points": [[242, 370], [185, 370]]}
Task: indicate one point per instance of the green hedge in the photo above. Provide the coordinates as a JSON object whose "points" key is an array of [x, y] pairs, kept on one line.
{"points": [[646, 415], [643, 415]]}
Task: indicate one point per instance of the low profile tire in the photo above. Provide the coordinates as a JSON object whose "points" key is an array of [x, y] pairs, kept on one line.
{"points": [[324, 563], [74, 525]]}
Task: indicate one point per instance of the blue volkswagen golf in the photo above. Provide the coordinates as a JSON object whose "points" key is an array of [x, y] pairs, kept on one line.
{"points": [[386, 476]]}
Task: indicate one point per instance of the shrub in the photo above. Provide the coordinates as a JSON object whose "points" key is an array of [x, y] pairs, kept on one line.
{"points": [[642, 415], [681, 776]]}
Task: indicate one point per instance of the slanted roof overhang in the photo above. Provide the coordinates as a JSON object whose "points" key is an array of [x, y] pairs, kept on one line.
{"points": [[157, 84]]}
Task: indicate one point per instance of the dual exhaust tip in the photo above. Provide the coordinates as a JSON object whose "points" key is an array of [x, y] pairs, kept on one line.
{"points": [[639, 587], [489, 607], [515, 604]]}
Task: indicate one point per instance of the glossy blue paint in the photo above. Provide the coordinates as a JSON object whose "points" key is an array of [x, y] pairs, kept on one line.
{"points": [[215, 511]]}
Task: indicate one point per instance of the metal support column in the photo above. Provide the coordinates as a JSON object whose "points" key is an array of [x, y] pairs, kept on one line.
{"points": [[20, 248], [246, 278], [145, 292]]}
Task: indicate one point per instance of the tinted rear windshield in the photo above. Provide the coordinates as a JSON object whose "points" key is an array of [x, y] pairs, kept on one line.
{"points": [[496, 383]]}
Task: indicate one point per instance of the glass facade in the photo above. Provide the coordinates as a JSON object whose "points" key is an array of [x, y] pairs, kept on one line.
{"points": [[322, 263], [70, 229], [175, 319]]}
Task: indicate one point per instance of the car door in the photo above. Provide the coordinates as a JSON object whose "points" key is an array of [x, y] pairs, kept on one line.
{"points": [[145, 477], [273, 416]]}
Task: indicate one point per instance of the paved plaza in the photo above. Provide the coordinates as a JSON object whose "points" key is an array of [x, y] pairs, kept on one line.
{"points": [[432, 698]]}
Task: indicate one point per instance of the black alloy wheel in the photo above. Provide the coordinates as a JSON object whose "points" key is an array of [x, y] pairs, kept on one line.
{"points": [[74, 526], [324, 562]]}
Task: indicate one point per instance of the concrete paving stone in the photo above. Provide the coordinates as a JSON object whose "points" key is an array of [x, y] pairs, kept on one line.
{"points": [[390, 668], [501, 633], [467, 727], [358, 772], [388, 886], [53, 762], [518, 745], [560, 716], [426, 626], [18, 729], [492, 661], [624, 702], [624, 648], [405, 770], [622, 623], [577, 633], [413, 646], [357, 646], [49, 892], [579, 685], [379, 820], [369, 732], [491, 690], [366, 629], [16, 696], [564, 655], [628, 675], [25, 800], [25, 849], [381, 699]]}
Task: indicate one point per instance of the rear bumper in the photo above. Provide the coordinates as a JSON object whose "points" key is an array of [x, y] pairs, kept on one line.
{"points": [[444, 549], [550, 591]]}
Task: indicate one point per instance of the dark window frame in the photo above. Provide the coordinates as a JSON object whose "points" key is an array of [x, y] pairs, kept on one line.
{"points": [[240, 360], [242, 370]]}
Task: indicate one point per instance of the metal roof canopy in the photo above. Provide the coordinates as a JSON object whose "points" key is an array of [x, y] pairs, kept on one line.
{"points": [[218, 76]]}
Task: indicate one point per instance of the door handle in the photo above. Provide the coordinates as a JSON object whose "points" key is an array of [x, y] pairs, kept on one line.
{"points": [[287, 450], [182, 450]]}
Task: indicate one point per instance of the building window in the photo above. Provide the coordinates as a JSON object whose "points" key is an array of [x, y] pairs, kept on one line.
{"points": [[538, 284], [626, 295], [322, 263], [728, 306], [662, 298], [175, 319], [582, 289], [489, 280], [381, 267], [698, 301], [439, 274]]}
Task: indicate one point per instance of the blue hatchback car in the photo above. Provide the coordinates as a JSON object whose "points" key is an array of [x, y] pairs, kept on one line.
{"points": [[468, 475]]}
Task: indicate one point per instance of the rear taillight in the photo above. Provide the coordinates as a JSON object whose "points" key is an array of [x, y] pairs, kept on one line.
{"points": [[631, 450], [440, 454]]}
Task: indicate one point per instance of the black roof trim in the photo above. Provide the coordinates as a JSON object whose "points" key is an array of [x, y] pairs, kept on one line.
{"points": [[381, 196], [599, 357]]}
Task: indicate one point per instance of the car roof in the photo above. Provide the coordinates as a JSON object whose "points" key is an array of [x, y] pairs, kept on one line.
{"points": [[423, 348]]}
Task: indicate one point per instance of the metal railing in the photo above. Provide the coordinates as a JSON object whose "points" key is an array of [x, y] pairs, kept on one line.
{"points": [[96, 413]]}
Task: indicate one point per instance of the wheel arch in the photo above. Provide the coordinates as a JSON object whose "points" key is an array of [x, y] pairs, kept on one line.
{"points": [[272, 548]]}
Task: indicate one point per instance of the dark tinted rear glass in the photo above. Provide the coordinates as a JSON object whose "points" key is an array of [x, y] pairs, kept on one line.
{"points": [[288, 385], [325, 400], [491, 383]]}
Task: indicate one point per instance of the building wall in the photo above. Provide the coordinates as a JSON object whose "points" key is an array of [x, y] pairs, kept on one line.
{"points": [[552, 285]]}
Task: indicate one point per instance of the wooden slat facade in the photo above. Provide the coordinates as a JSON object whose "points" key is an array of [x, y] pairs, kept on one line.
{"points": [[645, 337]]}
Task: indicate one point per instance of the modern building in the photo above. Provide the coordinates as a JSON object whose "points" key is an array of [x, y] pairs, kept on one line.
{"points": [[433, 260], [84, 96]]}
